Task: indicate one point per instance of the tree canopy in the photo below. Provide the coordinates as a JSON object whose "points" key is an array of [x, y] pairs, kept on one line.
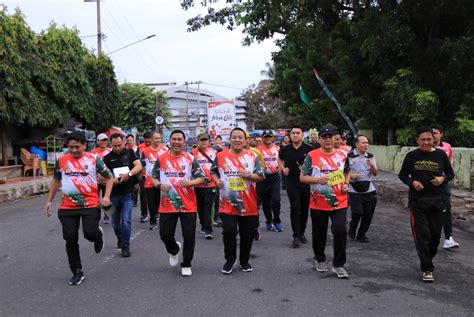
{"points": [[393, 64], [48, 77]]}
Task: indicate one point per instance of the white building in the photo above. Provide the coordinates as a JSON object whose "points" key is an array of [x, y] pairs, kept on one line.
{"points": [[188, 106]]}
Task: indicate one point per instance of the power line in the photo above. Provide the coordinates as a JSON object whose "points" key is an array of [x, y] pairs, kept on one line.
{"points": [[224, 86]]}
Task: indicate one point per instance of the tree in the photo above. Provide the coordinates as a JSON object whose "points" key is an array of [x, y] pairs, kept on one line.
{"points": [[138, 106], [359, 47]]}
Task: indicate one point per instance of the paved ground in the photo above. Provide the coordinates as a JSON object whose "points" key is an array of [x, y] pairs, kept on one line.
{"points": [[385, 279]]}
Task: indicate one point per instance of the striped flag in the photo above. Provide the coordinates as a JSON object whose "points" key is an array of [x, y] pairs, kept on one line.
{"points": [[304, 97]]}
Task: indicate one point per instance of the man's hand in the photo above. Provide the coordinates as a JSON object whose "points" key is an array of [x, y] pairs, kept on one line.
{"points": [[47, 209], [370, 163], [184, 183], [345, 189], [219, 184], [165, 187], [438, 180], [124, 177], [418, 186], [242, 173], [106, 201], [322, 179], [286, 171], [355, 175]]}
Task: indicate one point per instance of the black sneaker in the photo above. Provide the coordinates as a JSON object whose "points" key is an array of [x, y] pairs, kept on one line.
{"points": [[246, 267], [119, 245], [296, 243], [351, 234], [227, 268], [99, 242], [125, 252], [362, 239], [208, 236], [303, 239], [153, 227], [256, 236], [77, 278]]}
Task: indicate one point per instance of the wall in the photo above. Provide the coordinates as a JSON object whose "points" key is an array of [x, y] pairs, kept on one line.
{"points": [[390, 158]]}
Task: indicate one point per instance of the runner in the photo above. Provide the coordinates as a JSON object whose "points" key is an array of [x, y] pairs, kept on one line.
{"points": [[426, 170], [286, 140], [235, 173], [205, 193], [130, 139], [449, 242], [258, 141], [102, 150], [340, 144], [362, 194], [327, 171], [314, 140], [131, 142], [291, 159], [270, 186], [143, 206], [125, 166], [218, 146], [175, 173], [76, 174], [148, 159]]}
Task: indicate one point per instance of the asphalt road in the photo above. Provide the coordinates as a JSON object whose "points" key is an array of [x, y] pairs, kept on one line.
{"points": [[384, 274]]}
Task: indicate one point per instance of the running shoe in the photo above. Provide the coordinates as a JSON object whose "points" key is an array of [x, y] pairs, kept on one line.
{"points": [[278, 227], [268, 227], [321, 267], [77, 277], [119, 245], [106, 220], [99, 242], [217, 223], [202, 231], [144, 219], [340, 271], [362, 239], [227, 268], [296, 243], [125, 252], [174, 258], [246, 267], [428, 277], [303, 239], [153, 227], [186, 271], [256, 236], [208, 236], [450, 244], [351, 233]]}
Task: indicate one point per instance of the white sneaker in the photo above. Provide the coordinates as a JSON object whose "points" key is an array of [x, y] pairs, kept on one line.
{"points": [[340, 271], [450, 244], [174, 259], [186, 271]]}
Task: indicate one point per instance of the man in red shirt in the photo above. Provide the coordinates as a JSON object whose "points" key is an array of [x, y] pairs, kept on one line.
{"points": [[175, 173], [76, 174], [449, 242], [270, 186], [143, 207], [235, 173], [326, 170], [102, 150], [205, 193], [148, 159]]}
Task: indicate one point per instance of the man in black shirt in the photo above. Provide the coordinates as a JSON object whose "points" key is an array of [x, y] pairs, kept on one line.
{"points": [[290, 159], [426, 171], [124, 165]]}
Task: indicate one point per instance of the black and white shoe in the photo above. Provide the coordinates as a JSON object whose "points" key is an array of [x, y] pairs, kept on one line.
{"points": [[227, 268], [99, 242], [246, 267], [77, 277]]}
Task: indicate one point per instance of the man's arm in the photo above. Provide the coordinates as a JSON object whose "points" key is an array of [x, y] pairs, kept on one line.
{"points": [[405, 172], [53, 188]]}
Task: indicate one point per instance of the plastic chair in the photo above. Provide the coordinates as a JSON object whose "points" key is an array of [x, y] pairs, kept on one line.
{"points": [[31, 162]]}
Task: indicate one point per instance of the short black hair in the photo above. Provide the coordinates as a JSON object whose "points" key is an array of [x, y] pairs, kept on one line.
{"points": [[147, 135], [218, 137], [178, 131], [359, 136], [438, 127], [296, 127], [76, 136], [116, 136], [238, 129], [423, 129], [129, 135]]}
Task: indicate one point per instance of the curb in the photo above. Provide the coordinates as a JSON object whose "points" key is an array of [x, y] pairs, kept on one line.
{"points": [[15, 192]]}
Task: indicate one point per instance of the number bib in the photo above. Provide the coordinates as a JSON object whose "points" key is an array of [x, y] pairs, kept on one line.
{"points": [[236, 184], [336, 178]]}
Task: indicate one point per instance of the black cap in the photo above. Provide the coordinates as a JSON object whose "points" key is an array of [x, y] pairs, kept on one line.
{"points": [[202, 136], [327, 130], [267, 132]]}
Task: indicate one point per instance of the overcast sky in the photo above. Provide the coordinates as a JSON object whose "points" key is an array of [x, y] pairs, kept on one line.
{"points": [[213, 55]]}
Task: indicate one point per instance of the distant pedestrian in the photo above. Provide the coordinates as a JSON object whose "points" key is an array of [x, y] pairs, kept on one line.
{"points": [[76, 173], [426, 171], [143, 206], [102, 150]]}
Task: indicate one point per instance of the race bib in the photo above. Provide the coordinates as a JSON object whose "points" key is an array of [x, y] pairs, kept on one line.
{"points": [[236, 184], [336, 178]]}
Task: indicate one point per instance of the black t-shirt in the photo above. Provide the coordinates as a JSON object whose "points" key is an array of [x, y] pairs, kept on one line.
{"points": [[114, 160], [423, 167], [294, 159]]}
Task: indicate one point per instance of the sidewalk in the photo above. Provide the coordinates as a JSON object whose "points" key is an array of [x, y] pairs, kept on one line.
{"points": [[390, 188], [18, 188]]}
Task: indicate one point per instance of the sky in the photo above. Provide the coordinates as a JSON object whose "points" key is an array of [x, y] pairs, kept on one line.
{"points": [[213, 55]]}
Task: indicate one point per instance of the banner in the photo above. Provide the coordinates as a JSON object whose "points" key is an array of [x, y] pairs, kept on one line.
{"points": [[221, 118]]}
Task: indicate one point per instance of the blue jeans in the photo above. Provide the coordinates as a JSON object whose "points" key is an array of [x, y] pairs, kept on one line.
{"points": [[122, 217]]}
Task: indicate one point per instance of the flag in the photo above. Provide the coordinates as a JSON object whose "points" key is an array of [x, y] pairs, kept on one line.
{"points": [[304, 97], [338, 105]]}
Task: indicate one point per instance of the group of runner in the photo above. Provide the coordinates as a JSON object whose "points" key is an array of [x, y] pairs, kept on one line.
{"points": [[226, 187]]}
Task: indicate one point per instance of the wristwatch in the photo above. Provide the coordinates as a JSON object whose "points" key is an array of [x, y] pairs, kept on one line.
{"points": [[130, 174]]}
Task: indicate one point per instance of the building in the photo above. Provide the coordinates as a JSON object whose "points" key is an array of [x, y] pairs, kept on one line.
{"points": [[188, 106]]}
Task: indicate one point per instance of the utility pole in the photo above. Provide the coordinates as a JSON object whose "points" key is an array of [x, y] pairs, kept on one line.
{"points": [[187, 107], [157, 112], [99, 31]]}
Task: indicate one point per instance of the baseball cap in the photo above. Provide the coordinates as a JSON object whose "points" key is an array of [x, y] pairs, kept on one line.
{"points": [[102, 137], [327, 130], [203, 136], [267, 132]]}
